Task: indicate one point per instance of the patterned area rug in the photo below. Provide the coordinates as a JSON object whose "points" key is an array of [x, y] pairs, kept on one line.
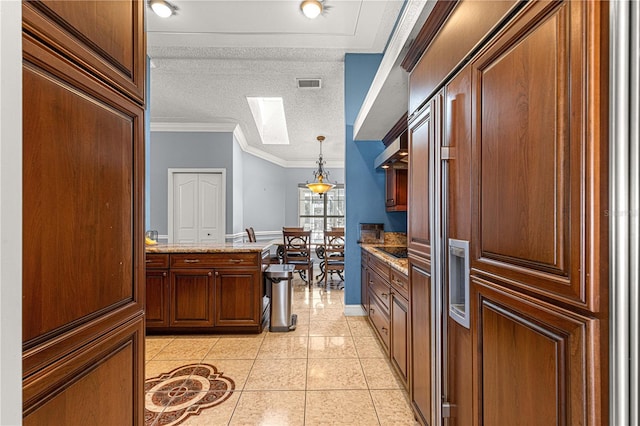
{"points": [[173, 397]]}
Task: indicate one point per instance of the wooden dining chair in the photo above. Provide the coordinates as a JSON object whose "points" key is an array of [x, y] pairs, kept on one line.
{"points": [[251, 234], [297, 252], [333, 261]]}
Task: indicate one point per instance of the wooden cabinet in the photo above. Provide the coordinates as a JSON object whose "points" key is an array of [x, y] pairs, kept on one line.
{"points": [[207, 292], [520, 170], [396, 189], [158, 291], [84, 68], [238, 297], [364, 280], [420, 390], [388, 309], [192, 298], [399, 322], [424, 136]]}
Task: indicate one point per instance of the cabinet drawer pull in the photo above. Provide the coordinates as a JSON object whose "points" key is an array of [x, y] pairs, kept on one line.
{"points": [[235, 261], [372, 311], [385, 295], [370, 281], [191, 260], [385, 330], [148, 260]]}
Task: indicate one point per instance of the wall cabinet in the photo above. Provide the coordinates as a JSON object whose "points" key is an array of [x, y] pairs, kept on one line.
{"points": [[396, 189], [203, 292], [388, 310]]}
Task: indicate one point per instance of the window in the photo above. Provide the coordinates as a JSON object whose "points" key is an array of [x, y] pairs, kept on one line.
{"points": [[320, 212]]}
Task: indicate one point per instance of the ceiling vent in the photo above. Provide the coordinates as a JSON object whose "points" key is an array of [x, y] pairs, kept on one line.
{"points": [[309, 83]]}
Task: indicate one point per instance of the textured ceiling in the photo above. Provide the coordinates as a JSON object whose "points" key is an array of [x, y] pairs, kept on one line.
{"points": [[213, 54]]}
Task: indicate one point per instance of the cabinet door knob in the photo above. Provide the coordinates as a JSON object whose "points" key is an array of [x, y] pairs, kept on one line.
{"points": [[209, 273], [385, 330], [385, 295], [217, 274], [164, 274]]}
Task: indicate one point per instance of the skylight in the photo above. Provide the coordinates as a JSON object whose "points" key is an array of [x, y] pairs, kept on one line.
{"points": [[268, 113]]}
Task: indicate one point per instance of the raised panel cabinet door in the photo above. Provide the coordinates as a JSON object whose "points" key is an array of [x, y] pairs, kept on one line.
{"points": [[364, 284], [399, 319], [421, 349], [192, 298], [105, 37], [532, 361], [541, 154], [424, 133], [157, 298], [111, 367], [238, 298]]}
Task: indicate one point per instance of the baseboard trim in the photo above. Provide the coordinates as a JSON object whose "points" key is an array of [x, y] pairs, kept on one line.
{"points": [[354, 311]]}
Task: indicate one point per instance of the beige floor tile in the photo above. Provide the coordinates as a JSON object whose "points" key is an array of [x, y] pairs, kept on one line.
{"points": [[215, 416], [277, 408], [300, 304], [392, 407], [186, 348], [321, 312], [369, 347], [234, 369], [153, 345], [303, 316], [329, 328], [347, 407], [284, 374], [332, 347], [155, 368], [302, 330], [360, 326], [235, 348], [379, 374], [325, 374], [284, 347]]}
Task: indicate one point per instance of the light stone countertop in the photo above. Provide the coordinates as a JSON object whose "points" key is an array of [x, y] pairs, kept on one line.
{"points": [[400, 265], [240, 247]]}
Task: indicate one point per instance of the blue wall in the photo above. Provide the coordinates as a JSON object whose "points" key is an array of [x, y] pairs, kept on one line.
{"points": [[364, 185]]}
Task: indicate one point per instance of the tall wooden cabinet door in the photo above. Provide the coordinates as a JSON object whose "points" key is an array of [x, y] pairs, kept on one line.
{"points": [[540, 94], [192, 298], [423, 133], [364, 282], [456, 206], [238, 298], [105, 37], [533, 361], [83, 252], [399, 323], [157, 298], [421, 348]]}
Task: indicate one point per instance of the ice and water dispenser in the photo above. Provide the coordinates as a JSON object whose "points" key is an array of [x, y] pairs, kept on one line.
{"points": [[459, 281]]}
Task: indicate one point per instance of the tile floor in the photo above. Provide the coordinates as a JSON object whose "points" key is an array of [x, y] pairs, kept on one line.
{"points": [[330, 370]]}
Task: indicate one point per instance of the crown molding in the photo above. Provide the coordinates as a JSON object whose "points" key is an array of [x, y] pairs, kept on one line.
{"points": [[239, 137]]}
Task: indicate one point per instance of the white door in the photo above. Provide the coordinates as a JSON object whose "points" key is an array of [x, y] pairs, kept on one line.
{"points": [[198, 208]]}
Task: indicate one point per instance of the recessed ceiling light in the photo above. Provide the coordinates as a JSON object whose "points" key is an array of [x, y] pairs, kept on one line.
{"points": [[162, 8], [311, 8]]}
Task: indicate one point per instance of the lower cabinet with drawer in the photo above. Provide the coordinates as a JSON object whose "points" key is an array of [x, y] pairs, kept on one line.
{"points": [[198, 292], [387, 302]]}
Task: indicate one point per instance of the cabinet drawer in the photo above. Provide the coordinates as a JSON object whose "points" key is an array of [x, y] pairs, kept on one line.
{"points": [[400, 283], [212, 260], [379, 266], [156, 260], [379, 319], [380, 288]]}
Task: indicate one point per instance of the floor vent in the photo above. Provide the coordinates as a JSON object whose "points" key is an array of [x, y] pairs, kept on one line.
{"points": [[309, 83]]}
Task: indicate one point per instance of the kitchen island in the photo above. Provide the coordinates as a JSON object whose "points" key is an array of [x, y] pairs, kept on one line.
{"points": [[206, 288]]}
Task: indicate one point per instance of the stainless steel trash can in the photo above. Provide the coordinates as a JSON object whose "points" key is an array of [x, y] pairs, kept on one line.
{"points": [[280, 279]]}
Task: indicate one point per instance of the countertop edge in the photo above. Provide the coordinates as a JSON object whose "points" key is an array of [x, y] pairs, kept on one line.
{"points": [[400, 265], [257, 247]]}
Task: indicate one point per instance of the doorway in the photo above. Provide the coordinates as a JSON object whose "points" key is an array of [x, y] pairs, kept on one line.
{"points": [[196, 205]]}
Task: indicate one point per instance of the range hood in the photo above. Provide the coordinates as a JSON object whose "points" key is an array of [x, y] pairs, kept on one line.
{"points": [[395, 155]]}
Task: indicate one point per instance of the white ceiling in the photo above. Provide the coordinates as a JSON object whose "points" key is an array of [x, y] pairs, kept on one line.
{"points": [[213, 54]]}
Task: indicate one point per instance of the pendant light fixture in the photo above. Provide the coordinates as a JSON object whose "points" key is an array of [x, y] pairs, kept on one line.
{"points": [[311, 8], [321, 184]]}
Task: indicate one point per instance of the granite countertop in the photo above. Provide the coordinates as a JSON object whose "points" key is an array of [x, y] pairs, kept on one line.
{"points": [[239, 247], [400, 265]]}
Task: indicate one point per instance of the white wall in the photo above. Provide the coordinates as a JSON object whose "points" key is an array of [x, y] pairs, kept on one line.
{"points": [[10, 213]]}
